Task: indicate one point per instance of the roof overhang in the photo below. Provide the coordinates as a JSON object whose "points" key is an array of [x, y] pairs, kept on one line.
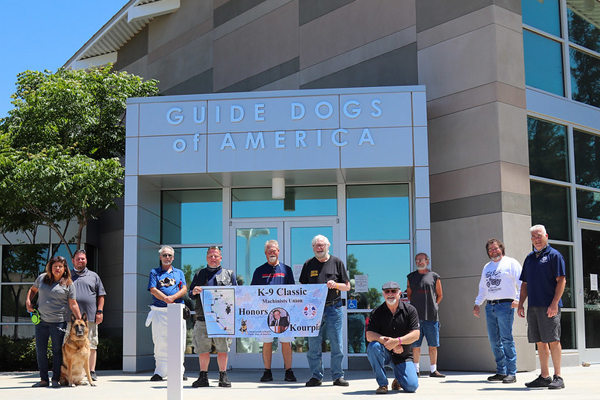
{"points": [[133, 17]]}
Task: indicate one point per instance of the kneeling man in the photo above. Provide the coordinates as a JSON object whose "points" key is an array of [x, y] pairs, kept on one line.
{"points": [[393, 326]]}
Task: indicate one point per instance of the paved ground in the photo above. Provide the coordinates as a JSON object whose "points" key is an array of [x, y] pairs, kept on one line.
{"points": [[581, 384]]}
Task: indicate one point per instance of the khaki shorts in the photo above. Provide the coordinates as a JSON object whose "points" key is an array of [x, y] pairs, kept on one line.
{"points": [[92, 334], [203, 344]]}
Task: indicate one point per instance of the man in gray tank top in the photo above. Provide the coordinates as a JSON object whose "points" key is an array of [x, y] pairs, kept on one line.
{"points": [[424, 290]]}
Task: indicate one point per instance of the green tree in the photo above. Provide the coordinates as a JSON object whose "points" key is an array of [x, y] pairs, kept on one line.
{"points": [[81, 110]]}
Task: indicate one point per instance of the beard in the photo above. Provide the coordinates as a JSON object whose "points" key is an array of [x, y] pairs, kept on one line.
{"points": [[272, 258], [496, 258], [391, 301], [422, 268]]}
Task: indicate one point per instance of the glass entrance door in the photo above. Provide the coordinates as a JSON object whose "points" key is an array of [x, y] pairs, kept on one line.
{"points": [[294, 239], [590, 249]]}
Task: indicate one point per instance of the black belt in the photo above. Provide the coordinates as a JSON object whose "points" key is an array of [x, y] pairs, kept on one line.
{"points": [[492, 302], [332, 303]]}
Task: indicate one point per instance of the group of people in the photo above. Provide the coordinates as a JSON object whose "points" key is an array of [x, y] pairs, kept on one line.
{"points": [[505, 285], [60, 292], [396, 329]]}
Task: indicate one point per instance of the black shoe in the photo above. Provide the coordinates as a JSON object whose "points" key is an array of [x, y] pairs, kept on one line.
{"points": [[156, 378], [267, 376], [223, 381], [314, 382], [289, 376], [341, 382], [509, 379], [436, 374], [41, 384], [539, 382], [55, 384], [185, 378], [557, 383], [202, 380], [497, 378], [418, 374], [94, 377]]}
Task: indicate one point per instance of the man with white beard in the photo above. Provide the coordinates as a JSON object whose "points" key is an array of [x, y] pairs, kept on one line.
{"points": [[393, 327], [500, 285]]}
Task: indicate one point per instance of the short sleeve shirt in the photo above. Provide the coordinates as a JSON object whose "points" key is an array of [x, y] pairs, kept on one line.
{"points": [[540, 273], [89, 287], [267, 274], [53, 300], [167, 282], [403, 321], [315, 271]]}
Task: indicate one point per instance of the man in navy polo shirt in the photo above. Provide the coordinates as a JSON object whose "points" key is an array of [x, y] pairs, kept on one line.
{"points": [[544, 281], [274, 272]]}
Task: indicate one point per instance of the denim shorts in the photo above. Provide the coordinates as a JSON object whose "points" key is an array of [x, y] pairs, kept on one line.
{"points": [[431, 331]]}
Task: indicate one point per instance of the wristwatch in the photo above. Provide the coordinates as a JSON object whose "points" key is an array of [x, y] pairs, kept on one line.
{"points": [[99, 312]]}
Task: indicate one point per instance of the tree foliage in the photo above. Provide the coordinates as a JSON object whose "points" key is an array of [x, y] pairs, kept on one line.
{"points": [[79, 109]]}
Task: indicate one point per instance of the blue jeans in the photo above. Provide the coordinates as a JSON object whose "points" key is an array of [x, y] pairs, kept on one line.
{"points": [[331, 325], [500, 319], [405, 373], [56, 332]]}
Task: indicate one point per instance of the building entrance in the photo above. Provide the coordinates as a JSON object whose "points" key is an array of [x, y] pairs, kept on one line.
{"points": [[294, 237], [590, 254]]}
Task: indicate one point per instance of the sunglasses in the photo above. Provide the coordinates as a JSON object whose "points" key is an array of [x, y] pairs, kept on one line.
{"points": [[386, 291]]}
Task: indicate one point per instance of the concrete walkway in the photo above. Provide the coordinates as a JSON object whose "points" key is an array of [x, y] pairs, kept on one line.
{"points": [[581, 383]]}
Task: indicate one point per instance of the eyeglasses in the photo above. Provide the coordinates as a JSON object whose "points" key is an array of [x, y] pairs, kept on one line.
{"points": [[422, 260], [166, 255], [386, 291]]}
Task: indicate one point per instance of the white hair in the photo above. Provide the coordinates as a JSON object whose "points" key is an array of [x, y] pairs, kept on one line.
{"points": [[321, 238], [162, 250], [536, 228], [271, 242]]}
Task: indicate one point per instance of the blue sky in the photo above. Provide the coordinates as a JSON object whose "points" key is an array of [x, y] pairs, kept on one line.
{"points": [[39, 35]]}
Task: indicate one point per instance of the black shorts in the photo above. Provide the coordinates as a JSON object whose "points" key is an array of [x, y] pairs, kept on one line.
{"points": [[540, 328]]}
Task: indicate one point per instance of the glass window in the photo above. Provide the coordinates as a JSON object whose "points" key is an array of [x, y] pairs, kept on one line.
{"points": [[357, 342], [568, 297], [547, 149], [568, 337], [587, 159], [378, 212], [192, 216], [585, 78], [543, 63], [23, 263], [582, 31], [588, 204], [381, 263], [543, 15], [550, 206], [298, 202]]}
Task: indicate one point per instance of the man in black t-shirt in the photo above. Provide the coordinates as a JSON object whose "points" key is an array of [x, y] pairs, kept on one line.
{"points": [[393, 326], [325, 268]]}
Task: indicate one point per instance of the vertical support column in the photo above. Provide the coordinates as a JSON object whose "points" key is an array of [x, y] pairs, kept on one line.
{"points": [[175, 339]]}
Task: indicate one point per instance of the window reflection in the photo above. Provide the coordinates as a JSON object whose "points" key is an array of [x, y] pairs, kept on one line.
{"points": [[378, 212], [382, 263], [588, 204], [582, 31], [192, 216], [547, 149], [357, 323], [568, 297], [585, 78], [543, 63], [568, 337], [299, 202], [587, 158], [543, 15], [550, 206]]}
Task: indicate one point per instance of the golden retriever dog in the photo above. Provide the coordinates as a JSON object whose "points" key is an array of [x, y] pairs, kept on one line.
{"points": [[76, 354]]}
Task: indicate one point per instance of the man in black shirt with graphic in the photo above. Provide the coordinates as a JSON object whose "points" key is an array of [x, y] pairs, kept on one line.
{"points": [[393, 326]]}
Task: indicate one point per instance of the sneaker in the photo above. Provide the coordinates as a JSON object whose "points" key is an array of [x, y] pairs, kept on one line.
{"points": [[314, 382], [184, 378], [94, 377], [496, 378], [539, 382], [267, 376], [436, 374], [342, 382], [156, 378], [41, 384], [381, 390], [289, 376], [557, 383], [509, 379], [202, 380], [223, 381], [395, 384]]}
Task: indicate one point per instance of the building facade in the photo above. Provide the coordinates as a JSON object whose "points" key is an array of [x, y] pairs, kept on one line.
{"points": [[390, 126]]}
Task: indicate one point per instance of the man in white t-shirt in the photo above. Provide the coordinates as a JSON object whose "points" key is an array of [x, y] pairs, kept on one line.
{"points": [[500, 285]]}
